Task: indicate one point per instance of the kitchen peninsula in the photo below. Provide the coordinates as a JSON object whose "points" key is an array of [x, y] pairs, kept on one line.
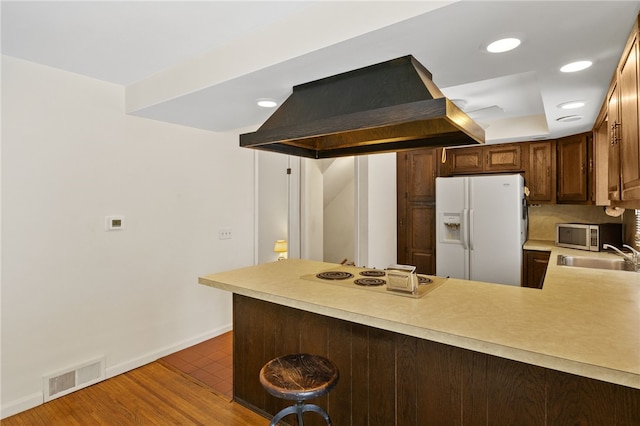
{"points": [[466, 352]]}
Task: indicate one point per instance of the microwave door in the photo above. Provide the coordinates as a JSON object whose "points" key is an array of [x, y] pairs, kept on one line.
{"points": [[574, 237]]}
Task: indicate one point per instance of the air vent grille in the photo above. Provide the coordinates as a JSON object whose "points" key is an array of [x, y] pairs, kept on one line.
{"points": [[73, 379]]}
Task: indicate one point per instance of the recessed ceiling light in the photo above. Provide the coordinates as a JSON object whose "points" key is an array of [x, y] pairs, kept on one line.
{"points": [[503, 45], [576, 66], [569, 118], [267, 103], [571, 105]]}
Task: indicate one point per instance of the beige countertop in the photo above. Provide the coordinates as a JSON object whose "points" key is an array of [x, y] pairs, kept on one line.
{"points": [[539, 245], [583, 321]]}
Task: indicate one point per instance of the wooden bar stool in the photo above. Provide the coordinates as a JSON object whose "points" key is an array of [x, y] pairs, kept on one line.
{"points": [[299, 377]]}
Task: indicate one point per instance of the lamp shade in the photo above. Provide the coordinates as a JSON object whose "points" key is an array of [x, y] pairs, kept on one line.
{"points": [[281, 246]]}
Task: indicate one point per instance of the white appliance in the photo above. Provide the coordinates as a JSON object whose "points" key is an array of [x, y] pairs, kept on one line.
{"points": [[481, 227]]}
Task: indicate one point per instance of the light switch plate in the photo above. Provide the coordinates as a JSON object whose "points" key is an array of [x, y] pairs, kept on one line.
{"points": [[224, 234]]}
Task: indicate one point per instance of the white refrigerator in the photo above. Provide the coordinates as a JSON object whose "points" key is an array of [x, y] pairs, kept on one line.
{"points": [[481, 227]]}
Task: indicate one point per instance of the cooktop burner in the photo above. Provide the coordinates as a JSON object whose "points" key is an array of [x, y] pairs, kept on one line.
{"points": [[371, 279], [369, 282], [373, 273], [334, 275], [424, 280]]}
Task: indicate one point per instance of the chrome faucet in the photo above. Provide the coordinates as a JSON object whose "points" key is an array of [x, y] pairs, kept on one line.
{"points": [[635, 252], [633, 258]]}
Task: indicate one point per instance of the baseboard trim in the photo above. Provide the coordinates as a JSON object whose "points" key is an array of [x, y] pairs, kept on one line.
{"points": [[153, 356], [31, 401], [22, 404]]}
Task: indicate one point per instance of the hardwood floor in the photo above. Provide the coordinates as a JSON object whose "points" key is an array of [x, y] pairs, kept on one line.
{"points": [[154, 394], [189, 387]]}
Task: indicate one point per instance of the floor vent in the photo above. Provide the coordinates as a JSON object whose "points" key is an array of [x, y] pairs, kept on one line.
{"points": [[73, 379]]}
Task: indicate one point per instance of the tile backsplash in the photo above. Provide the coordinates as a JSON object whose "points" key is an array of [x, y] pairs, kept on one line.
{"points": [[543, 218]]}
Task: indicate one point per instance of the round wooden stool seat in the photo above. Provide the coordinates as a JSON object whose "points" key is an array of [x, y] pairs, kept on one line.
{"points": [[299, 377]]}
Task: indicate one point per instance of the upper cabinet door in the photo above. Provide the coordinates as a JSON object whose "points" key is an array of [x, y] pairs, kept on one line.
{"points": [[629, 135], [486, 159], [613, 118], [541, 174], [466, 160], [572, 168], [503, 158]]}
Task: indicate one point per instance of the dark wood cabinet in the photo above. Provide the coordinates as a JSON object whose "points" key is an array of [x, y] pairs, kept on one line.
{"points": [[556, 171], [389, 378], [486, 159], [613, 162], [621, 113], [574, 168], [466, 160], [534, 268], [541, 171], [628, 136], [416, 172], [503, 158], [601, 157]]}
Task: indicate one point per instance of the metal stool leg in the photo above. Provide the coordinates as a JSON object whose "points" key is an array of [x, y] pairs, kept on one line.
{"points": [[283, 413], [299, 409], [319, 410]]}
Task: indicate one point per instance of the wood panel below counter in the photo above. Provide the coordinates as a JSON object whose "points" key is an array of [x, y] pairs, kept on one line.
{"points": [[388, 378]]}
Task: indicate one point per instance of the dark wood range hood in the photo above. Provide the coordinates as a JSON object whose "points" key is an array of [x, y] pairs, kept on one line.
{"points": [[390, 106]]}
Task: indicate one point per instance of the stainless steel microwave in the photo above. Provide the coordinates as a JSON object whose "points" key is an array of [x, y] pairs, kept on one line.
{"points": [[585, 236]]}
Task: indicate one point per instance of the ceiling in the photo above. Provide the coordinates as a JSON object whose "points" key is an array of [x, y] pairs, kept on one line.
{"points": [[205, 63]]}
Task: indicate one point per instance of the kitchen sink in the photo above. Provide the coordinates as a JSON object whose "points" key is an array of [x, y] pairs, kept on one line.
{"points": [[595, 263]]}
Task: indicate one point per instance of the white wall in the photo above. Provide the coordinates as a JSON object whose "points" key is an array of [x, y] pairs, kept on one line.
{"points": [[338, 218], [338, 226], [311, 211], [272, 222], [376, 210], [382, 205], [71, 291]]}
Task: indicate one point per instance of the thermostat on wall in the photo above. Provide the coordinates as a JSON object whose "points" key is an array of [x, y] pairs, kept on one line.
{"points": [[114, 223]]}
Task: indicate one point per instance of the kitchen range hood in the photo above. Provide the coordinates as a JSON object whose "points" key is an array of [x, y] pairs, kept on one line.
{"points": [[390, 106]]}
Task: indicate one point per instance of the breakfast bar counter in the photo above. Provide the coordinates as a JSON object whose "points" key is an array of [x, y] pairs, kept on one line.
{"points": [[583, 323]]}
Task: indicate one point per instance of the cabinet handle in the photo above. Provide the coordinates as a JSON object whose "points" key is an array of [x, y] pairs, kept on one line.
{"points": [[615, 133], [618, 130]]}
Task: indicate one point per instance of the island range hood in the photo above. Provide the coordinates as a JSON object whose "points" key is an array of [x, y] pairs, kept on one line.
{"points": [[390, 106]]}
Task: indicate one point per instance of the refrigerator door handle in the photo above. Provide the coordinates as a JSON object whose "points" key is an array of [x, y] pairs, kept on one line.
{"points": [[465, 226], [470, 236]]}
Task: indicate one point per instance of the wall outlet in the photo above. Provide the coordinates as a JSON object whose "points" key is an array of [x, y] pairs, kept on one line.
{"points": [[224, 233], [114, 223]]}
